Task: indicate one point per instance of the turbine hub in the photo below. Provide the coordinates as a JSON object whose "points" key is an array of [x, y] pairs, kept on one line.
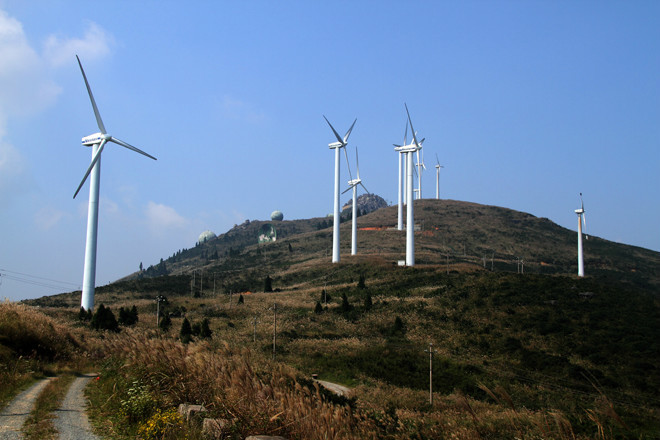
{"points": [[94, 139]]}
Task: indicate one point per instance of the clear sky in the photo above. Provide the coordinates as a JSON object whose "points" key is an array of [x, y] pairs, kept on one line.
{"points": [[526, 103]]}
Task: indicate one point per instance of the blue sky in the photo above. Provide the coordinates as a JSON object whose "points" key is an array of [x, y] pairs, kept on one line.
{"points": [[527, 104]]}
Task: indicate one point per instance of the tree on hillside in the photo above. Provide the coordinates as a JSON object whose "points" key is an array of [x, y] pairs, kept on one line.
{"points": [[361, 284], [268, 284], [368, 303], [104, 319], [241, 300], [205, 331], [165, 323], [128, 317], [345, 305], [185, 334]]}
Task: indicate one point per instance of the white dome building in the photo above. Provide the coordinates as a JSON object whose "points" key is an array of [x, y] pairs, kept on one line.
{"points": [[206, 236]]}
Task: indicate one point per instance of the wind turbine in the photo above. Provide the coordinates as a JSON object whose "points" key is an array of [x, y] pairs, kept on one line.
{"points": [[97, 141], [581, 219], [353, 184], [401, 185], [341, 143], [410, 221], [437, 177]]}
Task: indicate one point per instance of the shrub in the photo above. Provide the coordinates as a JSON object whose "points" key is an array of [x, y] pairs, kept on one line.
{"points": [[185, 334], [163, 424], [104, 319]]}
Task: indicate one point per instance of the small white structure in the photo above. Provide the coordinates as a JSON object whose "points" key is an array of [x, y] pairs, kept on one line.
{"points": [[205, 236], [581, 219]]}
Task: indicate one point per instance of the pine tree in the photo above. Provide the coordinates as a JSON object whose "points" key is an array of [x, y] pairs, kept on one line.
{"points": [[240, 299], [185, 334], [318, 309], [205, 331], [165, 323], [368, 303], [345, 305], [268, 284]]}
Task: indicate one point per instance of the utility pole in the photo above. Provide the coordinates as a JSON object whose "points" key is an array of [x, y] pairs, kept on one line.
{"points": [[214, 284], [159, 298], [325, 294], [430, 351], [484, 258], [491, 262], [447, 263], [254, 333], [274, 327], [201, 282]]}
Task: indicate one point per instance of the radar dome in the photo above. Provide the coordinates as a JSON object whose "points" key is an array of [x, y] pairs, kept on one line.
{"points": [[277, 216], [205, 236]]}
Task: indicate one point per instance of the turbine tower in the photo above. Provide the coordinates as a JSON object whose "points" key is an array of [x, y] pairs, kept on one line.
{"points": [[341, 143], [353, 184], [437, 177], [420, 168], [581, 219], [401, 185], [97, 141], [410, 220]]}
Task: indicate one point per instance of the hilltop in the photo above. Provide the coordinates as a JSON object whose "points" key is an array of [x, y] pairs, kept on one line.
{"points": [[449, 231]]}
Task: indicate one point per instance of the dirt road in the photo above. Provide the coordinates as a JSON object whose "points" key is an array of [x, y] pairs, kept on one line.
{"points": [[71, 420]]}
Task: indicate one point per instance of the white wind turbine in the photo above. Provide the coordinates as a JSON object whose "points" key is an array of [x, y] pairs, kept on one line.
{"points": [[353, 184], [410, 221], [437, 177], [97, 141], [582, 219], [341, 143]]}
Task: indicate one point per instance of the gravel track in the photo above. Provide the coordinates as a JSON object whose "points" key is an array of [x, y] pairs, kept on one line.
{"points": [[17, 411], [71, 419]]}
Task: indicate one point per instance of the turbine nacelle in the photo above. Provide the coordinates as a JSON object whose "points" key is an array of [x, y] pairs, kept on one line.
{"points": [[579, 211], [334, 145], [94, 139]]}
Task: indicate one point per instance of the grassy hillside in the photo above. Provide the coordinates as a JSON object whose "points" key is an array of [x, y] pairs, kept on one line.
{"points": [[539, 354]]}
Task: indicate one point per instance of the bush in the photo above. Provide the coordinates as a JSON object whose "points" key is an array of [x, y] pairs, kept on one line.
{"points": [[185, 334]]}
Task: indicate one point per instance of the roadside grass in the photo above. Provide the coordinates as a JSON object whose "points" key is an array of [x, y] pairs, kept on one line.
{"points": [[39, 425]]}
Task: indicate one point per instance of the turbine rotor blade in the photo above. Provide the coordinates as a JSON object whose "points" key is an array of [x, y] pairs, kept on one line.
{"points": [[365, 188], [348, 189], [99, 122], [95, 159], [348, 165], [348, 133], [333, 130], [411, 126], [130, 147], [357, 163], [405, 136], [436, 159]]}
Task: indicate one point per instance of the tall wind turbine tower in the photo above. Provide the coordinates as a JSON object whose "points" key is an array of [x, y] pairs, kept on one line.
{"points": [[401, 185], [97, 141], [581, 220], [409, 150], [437, 177], [341, 143], [353, 184]]}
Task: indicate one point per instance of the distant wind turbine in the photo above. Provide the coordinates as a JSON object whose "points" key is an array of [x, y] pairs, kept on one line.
{"points": [[582, 219], [421, 167], [341, 143], [437, 177], [353, 184], [97, 141]]}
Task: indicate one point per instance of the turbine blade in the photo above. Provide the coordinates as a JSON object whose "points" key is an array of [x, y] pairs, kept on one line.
{"points": [[348, 189], [95, 159], [91, 98], [130, 147], [333, 129], [436, 159], [357, 163], [405, 136], [348, 164], [397, 145], [411, 126], [348, 133], [365, 188]]}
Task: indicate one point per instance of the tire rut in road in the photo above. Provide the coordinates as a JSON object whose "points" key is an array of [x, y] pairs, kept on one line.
{"points": [[17, 411], [71, 418]]}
